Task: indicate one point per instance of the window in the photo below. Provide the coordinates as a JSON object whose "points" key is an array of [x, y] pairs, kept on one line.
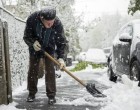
{"points": [[128, 29]]}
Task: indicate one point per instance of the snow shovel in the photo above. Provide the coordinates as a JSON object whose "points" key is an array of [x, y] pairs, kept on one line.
{"points": [[90, 87]]}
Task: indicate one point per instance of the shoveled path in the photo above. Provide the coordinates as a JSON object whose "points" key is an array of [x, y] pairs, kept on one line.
{"points": [[70, 96]]}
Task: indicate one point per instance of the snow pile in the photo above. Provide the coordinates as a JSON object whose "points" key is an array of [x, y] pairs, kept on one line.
{"points": [[120, 96], [123, 96], [78, 102], [20, 89], [11, 106]]}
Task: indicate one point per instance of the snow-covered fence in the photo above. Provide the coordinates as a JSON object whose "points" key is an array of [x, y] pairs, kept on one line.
{"points": [[17, 48]]}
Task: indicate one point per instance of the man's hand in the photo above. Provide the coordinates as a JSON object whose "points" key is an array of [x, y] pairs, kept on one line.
{"points": [[37, 46], [62, 63]]}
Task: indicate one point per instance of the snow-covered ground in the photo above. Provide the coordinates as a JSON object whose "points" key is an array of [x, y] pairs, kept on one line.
{"points": [[123, 95]]}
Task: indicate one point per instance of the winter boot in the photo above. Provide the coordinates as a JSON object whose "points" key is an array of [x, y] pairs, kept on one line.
{"points": [[30, 98], [51, 101]]}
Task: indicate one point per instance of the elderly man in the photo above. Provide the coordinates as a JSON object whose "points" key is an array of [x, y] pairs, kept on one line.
{"points": [[44, 31]]}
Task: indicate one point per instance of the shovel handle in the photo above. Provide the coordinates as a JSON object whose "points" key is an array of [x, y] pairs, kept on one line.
{"points": [[64, 69]]}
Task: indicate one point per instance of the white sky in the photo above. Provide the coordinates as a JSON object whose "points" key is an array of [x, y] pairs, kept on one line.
{"points": [[94, 8]]}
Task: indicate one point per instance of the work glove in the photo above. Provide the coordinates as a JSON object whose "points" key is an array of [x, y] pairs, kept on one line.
{"points": [[62, 63], [37, 46]]}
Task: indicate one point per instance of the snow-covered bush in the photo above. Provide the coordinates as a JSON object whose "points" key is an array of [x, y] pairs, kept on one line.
{"points": [[84, 64]]}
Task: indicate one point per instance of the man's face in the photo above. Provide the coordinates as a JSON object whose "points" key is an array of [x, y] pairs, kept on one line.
{"points": [[48, 23]]}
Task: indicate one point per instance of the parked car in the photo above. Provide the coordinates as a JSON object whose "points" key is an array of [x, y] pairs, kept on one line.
{"points": [[96, 56], [125, 53]]}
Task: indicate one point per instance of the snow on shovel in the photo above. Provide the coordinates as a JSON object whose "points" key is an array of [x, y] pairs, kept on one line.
{"points": [[90, 87]]}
